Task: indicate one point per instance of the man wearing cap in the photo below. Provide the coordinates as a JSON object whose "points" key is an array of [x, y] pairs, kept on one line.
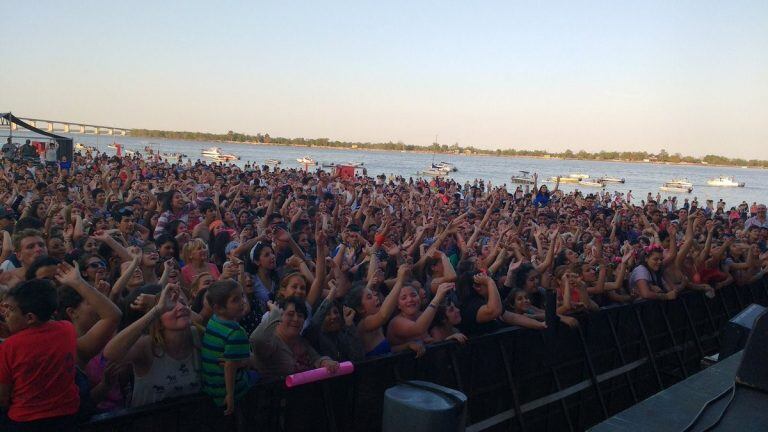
{"points": [[759, 220]]}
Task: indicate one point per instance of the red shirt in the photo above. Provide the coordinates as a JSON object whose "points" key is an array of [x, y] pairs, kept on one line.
{"points": [[38, 364]]}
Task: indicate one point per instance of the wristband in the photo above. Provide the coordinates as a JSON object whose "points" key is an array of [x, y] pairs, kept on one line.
{"points": [[431, 305]]}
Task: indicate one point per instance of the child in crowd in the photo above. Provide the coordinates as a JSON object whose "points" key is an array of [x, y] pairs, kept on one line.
{"points": [[225, 346], [37, 362]]}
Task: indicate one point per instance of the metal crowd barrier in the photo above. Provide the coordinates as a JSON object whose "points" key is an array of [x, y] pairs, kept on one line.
{"points": [[516, 379]]}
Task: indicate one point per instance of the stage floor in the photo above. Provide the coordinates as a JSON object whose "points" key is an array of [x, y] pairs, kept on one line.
{"points": [[674, 408]]}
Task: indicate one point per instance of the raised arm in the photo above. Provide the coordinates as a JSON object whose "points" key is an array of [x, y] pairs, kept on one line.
{"points": [[94, 340], [121, 282], [322, 251], [690, 229], [406, 329], [119, 249], [672, 251], [380, 318], [493, 307], [124, 347], [449, 273], [555, 243]]}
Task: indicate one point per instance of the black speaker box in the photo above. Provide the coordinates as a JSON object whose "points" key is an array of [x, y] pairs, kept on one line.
{"points": [[734, 334], [753, 370]]}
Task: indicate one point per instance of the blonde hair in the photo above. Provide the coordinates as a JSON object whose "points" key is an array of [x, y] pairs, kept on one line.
{"points": [[193, 245]]}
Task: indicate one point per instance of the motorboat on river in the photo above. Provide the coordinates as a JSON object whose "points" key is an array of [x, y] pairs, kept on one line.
{"points": [[590, 183], [212, 151], [445, 166], [217, 155], [524, 178], [336, 164], [725, 181], [306, 160], [567, 179], [681, 182], [608, 179], [677, 186], [433, 172]]}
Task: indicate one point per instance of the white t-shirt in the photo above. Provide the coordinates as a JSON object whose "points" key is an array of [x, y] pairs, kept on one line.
{"points": [[7, 265], [50, 153]]}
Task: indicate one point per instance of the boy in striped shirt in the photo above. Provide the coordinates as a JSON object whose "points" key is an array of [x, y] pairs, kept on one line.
{"points": [[226, 343]]}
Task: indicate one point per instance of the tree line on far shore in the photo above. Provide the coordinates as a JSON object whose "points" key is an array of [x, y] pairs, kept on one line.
{"points": [[634, 156]]}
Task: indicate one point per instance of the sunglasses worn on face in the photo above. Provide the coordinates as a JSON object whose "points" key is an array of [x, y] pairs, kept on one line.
{"points": [[97, 264]]}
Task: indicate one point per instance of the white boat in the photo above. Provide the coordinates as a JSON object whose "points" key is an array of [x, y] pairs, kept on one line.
{"points": [[217, 155], [335, 164], [589, 183], [306, 160], [724, 181], [606, 179], [524, 178], [683, 182], [676, 187], [564, 179], [212, 151], [83, 147], [433, 172], [272, 162], [581, 176], [445, 166]]}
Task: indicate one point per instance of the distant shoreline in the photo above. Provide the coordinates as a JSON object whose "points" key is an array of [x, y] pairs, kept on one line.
{"points": [[427, 152]]}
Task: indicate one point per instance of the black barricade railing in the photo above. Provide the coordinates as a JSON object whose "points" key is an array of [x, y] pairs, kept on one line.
{"points": [[516, 379]]}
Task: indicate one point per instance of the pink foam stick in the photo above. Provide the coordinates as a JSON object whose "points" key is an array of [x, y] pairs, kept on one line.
{"points": [[318, 374]]}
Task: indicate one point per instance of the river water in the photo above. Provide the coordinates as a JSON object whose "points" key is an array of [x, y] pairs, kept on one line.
{"points": [[641, 178]]}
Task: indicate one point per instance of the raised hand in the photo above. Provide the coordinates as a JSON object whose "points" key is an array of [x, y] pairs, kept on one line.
{"points": [[144, 302], [349, 316], [514, 265], [458, 337], [168, 297], [69, 275], [331, 365], [294, 262], [443, 288], [481, 279]]}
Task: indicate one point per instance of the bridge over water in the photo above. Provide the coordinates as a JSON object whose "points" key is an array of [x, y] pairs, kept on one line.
{"points": [[66, 127]]}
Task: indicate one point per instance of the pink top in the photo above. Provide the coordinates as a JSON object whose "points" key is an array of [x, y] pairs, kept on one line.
{"points": [[188, 273], [95, 372]]}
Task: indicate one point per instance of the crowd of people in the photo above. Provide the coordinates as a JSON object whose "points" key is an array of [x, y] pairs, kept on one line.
{"points": [[127, 281]]}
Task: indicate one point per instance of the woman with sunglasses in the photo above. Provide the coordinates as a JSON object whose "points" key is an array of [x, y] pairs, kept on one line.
{"points": [[93, 269]]}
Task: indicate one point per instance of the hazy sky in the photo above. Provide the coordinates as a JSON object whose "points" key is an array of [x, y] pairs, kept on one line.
{"points": [[688, 76]]}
